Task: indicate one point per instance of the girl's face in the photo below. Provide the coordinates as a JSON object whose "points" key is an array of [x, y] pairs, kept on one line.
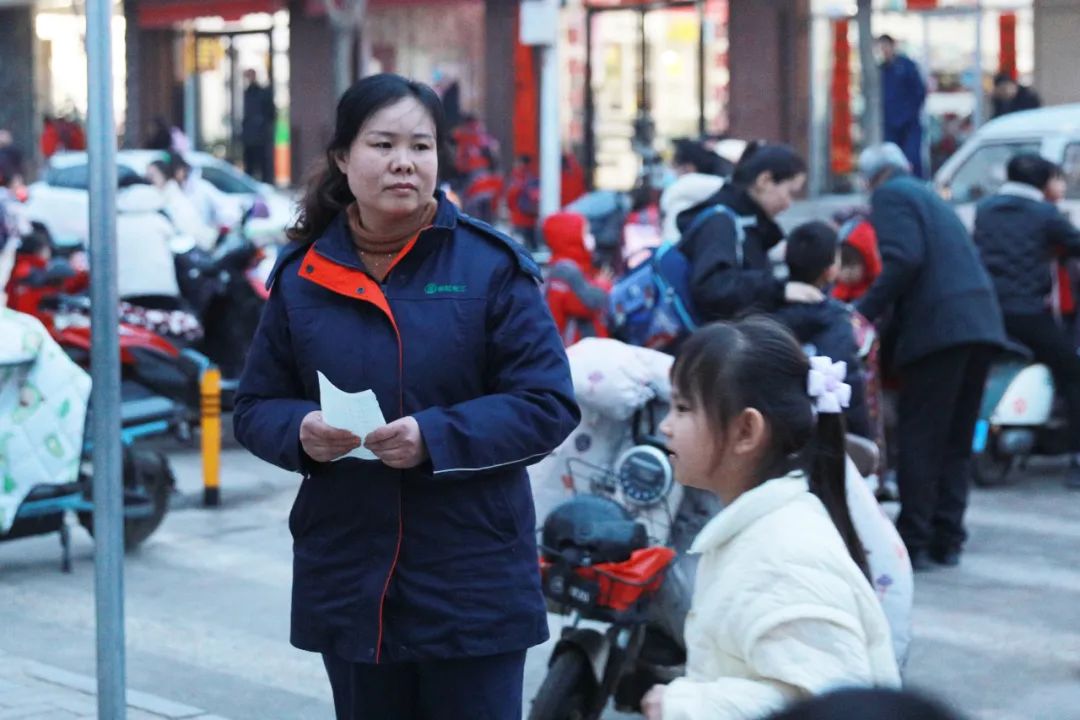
{"points": [[724, 463], [392, 165], [690, 442], [776, 197]]}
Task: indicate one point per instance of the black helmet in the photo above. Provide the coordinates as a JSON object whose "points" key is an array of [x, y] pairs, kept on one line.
{"points": [[594, 527]]}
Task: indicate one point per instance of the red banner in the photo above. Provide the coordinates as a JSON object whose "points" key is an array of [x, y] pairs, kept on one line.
{"points": [[841, 155], [1007, 44]]}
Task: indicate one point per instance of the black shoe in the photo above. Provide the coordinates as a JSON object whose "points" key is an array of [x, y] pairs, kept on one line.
{"points": [[920, 561], [949, 557], [1072, 477]]}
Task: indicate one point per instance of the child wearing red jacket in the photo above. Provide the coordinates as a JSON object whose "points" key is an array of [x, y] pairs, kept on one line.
{"points": [[576, 293], [860, 262]]}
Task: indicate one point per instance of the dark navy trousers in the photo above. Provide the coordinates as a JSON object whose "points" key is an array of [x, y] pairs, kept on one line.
{"points": [[484, 688]]}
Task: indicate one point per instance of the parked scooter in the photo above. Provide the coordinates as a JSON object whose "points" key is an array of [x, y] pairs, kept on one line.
{"points": [[44, 456], [1019, 417]]}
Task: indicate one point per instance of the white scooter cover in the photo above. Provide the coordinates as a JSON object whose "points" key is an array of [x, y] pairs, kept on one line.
{"points": [[887, 558], [43, 401]]}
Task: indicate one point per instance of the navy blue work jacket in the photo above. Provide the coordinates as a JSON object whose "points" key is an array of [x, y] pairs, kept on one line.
{"points": [[439, 561]]}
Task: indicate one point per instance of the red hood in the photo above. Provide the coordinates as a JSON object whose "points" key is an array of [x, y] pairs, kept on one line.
{"points": [[564, 233]]}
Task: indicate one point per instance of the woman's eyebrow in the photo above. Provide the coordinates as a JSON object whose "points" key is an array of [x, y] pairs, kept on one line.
{"points": [[386, 133]]}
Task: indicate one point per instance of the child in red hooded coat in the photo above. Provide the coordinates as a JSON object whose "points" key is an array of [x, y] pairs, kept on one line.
{"points": [[860, 262], [576, 293]]}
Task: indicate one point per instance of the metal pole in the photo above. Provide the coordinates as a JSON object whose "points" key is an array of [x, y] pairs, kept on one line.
{"points": [[979, 94], [704, 27], [550, 145], [105, 367], [818, 155], [590, 105]]}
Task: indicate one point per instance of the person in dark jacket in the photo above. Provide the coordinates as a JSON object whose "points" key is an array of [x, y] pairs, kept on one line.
{"points": [[730, 271], [825, 328], [947, 327], [903, 93], [1010, 96], [1022, 237], [415, 575], [257, 128]]}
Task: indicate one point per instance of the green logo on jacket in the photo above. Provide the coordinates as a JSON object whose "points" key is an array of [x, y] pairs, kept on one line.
{"points": [[436, 289]]}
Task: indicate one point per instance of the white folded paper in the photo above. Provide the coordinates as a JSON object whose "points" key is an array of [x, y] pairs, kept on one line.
{"points": [[359, 413]]}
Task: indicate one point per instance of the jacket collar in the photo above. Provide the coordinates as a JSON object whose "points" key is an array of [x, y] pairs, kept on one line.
{"points": [[748, 508], [1022, 190], [336, 243]]}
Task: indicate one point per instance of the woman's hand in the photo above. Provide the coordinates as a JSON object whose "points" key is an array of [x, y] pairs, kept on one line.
{"points": [[652, 705], [799, 292], [399, 444], [324, 443]]}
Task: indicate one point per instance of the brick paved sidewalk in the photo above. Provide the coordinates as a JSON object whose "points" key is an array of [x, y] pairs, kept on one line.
{"points": [[30, 690]]}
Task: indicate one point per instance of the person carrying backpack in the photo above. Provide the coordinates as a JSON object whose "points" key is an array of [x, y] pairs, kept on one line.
{"points": [[576, 293], [730, 271]]}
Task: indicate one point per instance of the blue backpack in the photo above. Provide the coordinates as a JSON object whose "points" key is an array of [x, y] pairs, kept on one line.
{"points": [[652, 307]]}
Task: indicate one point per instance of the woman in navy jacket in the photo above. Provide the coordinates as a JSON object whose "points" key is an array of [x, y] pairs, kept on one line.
{"points": [[415, 576]]}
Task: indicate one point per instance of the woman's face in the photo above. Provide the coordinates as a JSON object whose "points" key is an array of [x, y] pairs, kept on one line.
{"points": [[776, 197], [1055, 189], [155, 176], [392, 165]]}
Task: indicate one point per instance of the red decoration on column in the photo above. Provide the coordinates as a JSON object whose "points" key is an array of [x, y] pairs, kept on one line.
{"points": [[1007, 44], [526, 100], [841, 155]]}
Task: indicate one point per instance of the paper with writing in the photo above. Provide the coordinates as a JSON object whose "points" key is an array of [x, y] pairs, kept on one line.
{"points": [[359, 413]]}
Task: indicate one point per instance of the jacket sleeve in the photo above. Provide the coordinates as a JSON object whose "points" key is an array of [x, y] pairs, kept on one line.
{"points": [[270, 402], [1063, 234], [794, 652], [529, 409], [719, 287], [902, 247]]}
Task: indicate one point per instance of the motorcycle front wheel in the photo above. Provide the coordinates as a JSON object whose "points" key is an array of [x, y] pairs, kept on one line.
{"points": [[569, 691], [148, 481]]}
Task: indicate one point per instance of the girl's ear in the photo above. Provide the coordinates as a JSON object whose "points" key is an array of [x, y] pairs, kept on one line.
{"points": [[749, 432]]}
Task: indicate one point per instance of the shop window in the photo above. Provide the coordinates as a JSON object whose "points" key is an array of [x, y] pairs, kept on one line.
{"points": [[984, 172], [1071, 166]]}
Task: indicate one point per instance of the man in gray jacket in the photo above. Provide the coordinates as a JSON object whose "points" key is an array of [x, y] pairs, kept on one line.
{"points": [[947, 327]]}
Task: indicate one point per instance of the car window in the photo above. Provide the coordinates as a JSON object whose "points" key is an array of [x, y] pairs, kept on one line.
{"points": [[228, 181], [1071, 166], [76, 177], [984, 172]]}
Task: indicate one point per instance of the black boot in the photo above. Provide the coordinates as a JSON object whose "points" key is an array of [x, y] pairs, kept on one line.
{"points": [[1072, 477]]}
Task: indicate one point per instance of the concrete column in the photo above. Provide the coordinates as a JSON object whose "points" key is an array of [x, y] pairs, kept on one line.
{"points": [[770, 70], [1057, 35], [311, 94], [17, 111], [500, 24], [154, 84]]}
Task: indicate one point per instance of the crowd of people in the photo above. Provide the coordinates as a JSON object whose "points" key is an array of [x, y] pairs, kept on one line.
{"points": [[418, 586]]}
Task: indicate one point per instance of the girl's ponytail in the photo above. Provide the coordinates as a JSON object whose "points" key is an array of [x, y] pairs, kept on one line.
{"points": [[828, 480]]}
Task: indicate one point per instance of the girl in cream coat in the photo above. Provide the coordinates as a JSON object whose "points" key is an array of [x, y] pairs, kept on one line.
{"points": [[782, 607]]}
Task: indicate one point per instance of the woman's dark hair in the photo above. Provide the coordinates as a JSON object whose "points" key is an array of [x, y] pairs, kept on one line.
{"points": [[1032, 169], [327, 192], [850, 256], [695, 154], [811, 250], [860, 703], [756, 363], [780, 161]]}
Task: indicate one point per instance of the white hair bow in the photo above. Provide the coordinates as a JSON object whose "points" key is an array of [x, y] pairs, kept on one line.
{"points": [[826, 385]]}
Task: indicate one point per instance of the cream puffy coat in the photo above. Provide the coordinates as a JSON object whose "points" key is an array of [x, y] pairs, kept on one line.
{"points": [[780, 611]]}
